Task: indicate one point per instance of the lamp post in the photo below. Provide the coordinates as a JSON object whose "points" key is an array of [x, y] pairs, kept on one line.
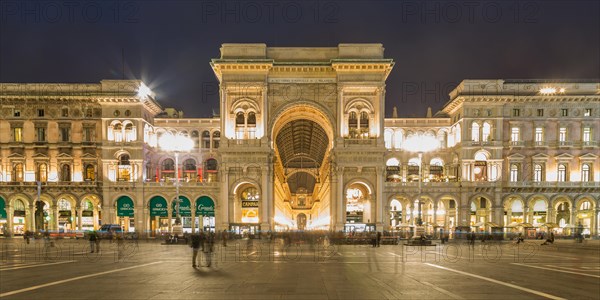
{"points": [[420, 144], [176, 143]]}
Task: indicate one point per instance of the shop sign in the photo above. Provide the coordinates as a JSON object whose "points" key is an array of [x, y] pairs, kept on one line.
{"points": [[87, 213], [185, 209], [2, 209], [64, 213], [158, 207], [205, 207], [125, 207], [249, 203]]}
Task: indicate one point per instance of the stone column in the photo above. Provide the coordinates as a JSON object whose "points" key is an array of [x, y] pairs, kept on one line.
{"points": [[53, 224], [79, 211], [95, 215], [9, 218], [266, 219], [341, 199], [30, 218], [333, 206], [223, 202], [379, 201], [170, 216], [550, 215], [526, 217]]}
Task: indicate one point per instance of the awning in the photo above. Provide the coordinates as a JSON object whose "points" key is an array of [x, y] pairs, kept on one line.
{"points": [[492, 224], [550, 225], [512, 225], [478, 224], [125, 207], [158, 207], [185, 209], [205, 207], [2, 209], [525, 225]]}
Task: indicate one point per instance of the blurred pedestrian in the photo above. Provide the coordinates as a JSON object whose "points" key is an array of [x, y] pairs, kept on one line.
{"points": [[225, 236], [93, 238], [195, 244], [378, 237], [208, 247]]}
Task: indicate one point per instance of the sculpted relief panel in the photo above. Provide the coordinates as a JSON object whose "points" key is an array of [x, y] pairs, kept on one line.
{"points": [[281, 94]]}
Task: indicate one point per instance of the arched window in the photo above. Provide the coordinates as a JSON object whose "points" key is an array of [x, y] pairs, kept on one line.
{"points": [[486, 132], [436, 169], [586, 174], [124, 173], [205, 139], [90, 173], [65, 173], [196, 138], [364, 124], [393, 170], [189, 169], [414, 164], [251, 119], [129, 133], [42, 173], [514, 173], [118, 132], [387, 138], [167, 171], [561, 176], [249, 198], [398, 139], [18, 174], [239, 119], [211, 170], [475, 132], [538, 173], [457, 134], [216, 138], [586, 205], [353, 124], [480, 168]]}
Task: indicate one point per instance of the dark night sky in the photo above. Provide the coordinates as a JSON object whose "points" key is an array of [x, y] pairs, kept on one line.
{"points": [[168, 44]]}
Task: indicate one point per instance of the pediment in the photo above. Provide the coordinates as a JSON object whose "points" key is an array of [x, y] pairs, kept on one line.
{"points": [[588, 156], [88, 156], [540, 156], [516, 156], [15, 155], [564, 156], [39, 155], [64, 156]]}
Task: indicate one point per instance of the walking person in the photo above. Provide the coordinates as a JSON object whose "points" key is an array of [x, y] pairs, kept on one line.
{"points": [[93, 240], [225, 236], [208, 247], [378, 237], [195, 244]]}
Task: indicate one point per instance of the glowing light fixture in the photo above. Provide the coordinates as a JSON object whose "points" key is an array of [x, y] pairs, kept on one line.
{"points": [[547, 91], [144, 91], [421, 143]]}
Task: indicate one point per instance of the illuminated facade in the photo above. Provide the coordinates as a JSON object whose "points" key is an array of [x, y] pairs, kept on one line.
{"points": [[302, 143]]}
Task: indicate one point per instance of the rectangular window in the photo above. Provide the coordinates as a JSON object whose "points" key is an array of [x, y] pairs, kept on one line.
{"points": [[489, 112], [18, 134], [562, 134], [88, 134], [564, 112], [65, 133], [516, 112], [587, 134], [40, 112], [562, 173], [514, 173], [17, 113], [514, 134], [537, 173], [588, 112], [65, 112], [540, 112], [41, 134], [539, 135]]}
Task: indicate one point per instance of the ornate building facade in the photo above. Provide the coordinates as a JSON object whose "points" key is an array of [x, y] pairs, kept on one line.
{"points": [[302, 143]]}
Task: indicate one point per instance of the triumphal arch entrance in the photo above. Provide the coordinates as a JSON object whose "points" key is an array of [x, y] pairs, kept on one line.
{"points": [[302, 137]]}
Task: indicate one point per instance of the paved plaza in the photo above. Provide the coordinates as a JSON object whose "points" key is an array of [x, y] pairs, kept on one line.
{"points": [[263, 270]]}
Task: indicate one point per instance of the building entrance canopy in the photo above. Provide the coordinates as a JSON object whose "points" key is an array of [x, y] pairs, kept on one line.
{"points": [[205, 207], [158, 207], [185, 209], [125, 207]]}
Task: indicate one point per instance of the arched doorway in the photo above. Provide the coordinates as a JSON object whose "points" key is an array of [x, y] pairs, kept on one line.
{"points": [[481, 214], [302, 135], [90, 215], [205, 213], [19, 213], [66, 215], [301, 221], [185, 212], [125, 213], [159, 221], [247, 210], [359, 215], [3, 216], [42, 215], [562, 217]]}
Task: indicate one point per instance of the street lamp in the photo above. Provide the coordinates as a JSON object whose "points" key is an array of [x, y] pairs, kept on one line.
{"points": [[420, 143], [176, 143]]}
